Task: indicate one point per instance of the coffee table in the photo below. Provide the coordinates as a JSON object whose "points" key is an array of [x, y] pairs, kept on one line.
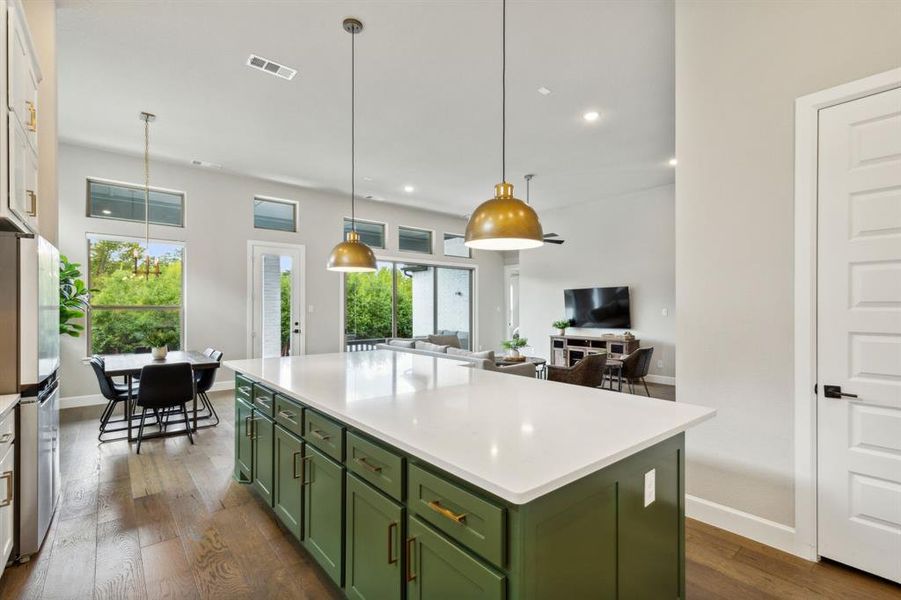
{"points": [[539, 363]]}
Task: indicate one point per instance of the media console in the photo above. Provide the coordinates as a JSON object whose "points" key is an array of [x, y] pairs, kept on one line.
{"points": [[567, 350]]}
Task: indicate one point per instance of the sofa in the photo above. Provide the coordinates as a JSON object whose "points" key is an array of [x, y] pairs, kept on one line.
{"points": [[477, 360]]}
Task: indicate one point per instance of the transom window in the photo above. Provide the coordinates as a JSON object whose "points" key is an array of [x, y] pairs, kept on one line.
{"points": [[127, 308], [411, 239], [270, 213], [371, 233], [126, 202], [454, 245]]}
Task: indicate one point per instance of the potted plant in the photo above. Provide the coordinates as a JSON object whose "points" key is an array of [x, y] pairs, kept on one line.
{"points": [[561, 325], [74, 298], [513, 346], [158, 342]]}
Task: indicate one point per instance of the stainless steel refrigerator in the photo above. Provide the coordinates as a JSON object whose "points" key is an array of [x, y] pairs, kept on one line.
{"points": [[29, 365]]}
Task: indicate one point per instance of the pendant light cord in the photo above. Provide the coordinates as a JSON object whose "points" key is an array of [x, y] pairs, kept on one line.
{"points": [[504, 92], [147, 190], [353, 219]]}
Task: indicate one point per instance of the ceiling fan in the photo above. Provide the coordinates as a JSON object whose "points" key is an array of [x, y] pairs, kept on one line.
{"points": [[548, 237]]}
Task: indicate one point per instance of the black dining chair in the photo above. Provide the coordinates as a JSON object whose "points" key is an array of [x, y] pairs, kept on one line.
{"points": [[114, 394], [165, 387], [636, 367], [204, 380]]}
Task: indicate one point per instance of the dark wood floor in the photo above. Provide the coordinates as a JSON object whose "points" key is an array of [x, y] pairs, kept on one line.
{"points": [[171, 523]]}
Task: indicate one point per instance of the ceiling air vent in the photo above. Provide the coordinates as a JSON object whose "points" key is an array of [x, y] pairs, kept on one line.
{"points": [[273, 68]]}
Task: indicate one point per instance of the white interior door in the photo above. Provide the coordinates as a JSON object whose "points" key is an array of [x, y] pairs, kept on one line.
{"points": [[276, 300], [859, 334], [512, 301]]}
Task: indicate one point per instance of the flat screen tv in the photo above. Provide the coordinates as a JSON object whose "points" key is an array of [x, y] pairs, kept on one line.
{"points": [[606, 307]]}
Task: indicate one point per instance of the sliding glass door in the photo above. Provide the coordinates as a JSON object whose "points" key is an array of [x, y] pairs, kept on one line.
{"points": [[409, 300]]}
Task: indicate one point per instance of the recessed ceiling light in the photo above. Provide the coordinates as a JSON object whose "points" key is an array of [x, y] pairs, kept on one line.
{"points": [[591, 116], [367, 179], [673, 162], [409, 189], [106, 212], [544, 91]]}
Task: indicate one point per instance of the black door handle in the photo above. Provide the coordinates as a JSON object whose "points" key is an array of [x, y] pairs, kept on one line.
{"points": [[835, 391]]}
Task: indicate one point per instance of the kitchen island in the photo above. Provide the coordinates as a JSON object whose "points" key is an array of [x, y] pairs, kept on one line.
{"points": [[408, 473]]}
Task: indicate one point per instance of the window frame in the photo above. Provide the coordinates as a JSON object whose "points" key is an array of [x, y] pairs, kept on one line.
{"points": [[295, 206], [384, 225], [182, 333], [455, 235], [133, 186], [431, 233]]}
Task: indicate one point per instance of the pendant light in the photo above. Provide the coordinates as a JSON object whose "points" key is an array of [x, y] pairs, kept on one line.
{"points": [[504, 222], [145, 269], [352, 255]]}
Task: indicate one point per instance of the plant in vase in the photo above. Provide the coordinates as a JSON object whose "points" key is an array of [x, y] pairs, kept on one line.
{"points": [[561, 325], [159, 344], [74, 298], [513, 346]]}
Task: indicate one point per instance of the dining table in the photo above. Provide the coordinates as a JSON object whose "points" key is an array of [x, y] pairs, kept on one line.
{"points": [[130, 365]]}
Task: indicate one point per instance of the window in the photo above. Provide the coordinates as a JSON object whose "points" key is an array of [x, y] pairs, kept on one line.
{"points": [[269, 213], [372, 234], [126, 308], [454, 245], [414, 240], [407, 300], [125, 202]]}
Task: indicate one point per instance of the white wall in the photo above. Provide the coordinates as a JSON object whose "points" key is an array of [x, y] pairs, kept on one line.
{"points": [[627, 240], [218, 224], [739, 67]]}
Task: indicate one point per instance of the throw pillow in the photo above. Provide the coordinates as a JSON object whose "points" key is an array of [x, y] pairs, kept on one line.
{"points": [[401, 343], [451, 341], [484, 355], [430, 347]]}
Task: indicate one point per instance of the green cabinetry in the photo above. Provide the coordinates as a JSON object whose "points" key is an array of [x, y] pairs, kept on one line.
{"points": [[287, 491], [262, 455], [439, 570], [323, 511], [243, 440], [373, 541]]}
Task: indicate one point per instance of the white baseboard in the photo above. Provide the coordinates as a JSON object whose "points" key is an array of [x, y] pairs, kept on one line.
{"points": [[661, 379], [98, 400], [744, 524]]}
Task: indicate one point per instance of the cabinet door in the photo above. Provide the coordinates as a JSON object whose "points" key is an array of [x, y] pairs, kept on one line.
{"points": [[288, 490], [21, 79], [323, 511], [437, 569], [262, 455], [22, 199], [7, 518], [374, 542], [243, 442]]}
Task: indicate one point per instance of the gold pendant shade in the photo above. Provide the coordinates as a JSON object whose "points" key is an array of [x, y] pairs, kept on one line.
{"points": [[352, 256], [504, 223]]}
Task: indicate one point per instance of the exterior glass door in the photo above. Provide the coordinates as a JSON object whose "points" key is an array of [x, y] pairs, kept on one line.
{"points": [[276, 328]]}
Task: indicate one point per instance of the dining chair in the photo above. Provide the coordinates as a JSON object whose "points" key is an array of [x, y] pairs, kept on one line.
{"points": [[588, 372], [636, 367], [164, 387], [204, 380], [114, 394]]}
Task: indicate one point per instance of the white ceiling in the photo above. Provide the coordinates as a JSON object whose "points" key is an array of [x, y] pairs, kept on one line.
{"points": [[428, 93]]}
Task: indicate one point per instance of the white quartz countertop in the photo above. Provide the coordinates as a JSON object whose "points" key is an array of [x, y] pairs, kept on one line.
{"points": [[516, 437]]}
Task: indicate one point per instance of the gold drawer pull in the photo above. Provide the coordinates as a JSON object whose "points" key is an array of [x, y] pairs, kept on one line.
{"points": [[319, 435], [32, 209], [392, 530], [244, 389], [365, 464], [446, 512], [32, 116], [8, 476], [286, 414], [410, 545], [5, 437]]}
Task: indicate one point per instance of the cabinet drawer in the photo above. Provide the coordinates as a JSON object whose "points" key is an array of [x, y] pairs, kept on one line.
{"points": [[243, 388], [380, 467], [7, 431], [263, 400], [289, 414], [325, 434], [472, 521]]}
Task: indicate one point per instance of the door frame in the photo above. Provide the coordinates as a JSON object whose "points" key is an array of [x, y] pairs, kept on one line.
{"points": [[302, 293], [805, 287], [422, 259]]}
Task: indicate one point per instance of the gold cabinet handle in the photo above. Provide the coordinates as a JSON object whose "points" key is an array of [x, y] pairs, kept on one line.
{"points": [[253, 429], [446, 512], [410, 574], [244, 389], [32, 209], [32, 116], [305, 469], [5, 437], [8, 476], [247, 431], [392, 530], [319, 435], [366, 465], [286, 414], [294, 465]]}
